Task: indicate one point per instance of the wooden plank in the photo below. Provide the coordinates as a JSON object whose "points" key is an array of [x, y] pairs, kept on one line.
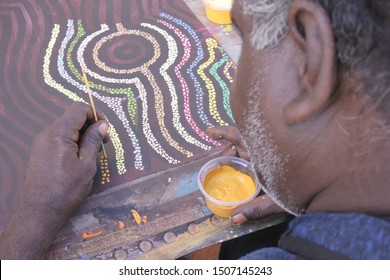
{"points": [[178, 221]]}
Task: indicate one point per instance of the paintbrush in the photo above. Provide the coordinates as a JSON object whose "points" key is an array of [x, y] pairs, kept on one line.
{"points": [[93, 106]]}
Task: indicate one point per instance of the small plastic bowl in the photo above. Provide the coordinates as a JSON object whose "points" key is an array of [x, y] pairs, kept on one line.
{"points": [[218, 11], [219, 207]]}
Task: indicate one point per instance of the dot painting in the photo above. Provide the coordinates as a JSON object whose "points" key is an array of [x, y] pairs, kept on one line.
{"points": [[209, 74], [104, 170], [156, 75]]}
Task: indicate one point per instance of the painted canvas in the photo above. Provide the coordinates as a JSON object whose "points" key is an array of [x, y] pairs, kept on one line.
{"points": [[155, 72]]}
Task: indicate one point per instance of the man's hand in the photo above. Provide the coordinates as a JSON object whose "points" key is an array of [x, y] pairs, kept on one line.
{"points": [[231, 134], [58, 179], [262, 205]]}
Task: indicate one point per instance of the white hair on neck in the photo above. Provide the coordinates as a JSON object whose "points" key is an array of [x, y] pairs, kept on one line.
{"points": [[269, 21]]}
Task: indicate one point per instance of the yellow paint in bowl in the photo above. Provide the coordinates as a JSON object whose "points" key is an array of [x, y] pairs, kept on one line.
{"points": [[218, 11], [226, 183]]}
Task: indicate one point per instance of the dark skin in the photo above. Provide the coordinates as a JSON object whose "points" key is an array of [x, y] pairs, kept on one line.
{"points": [[58, 179], [305, 119], [313, 114], [319, 126], [262, 205]]}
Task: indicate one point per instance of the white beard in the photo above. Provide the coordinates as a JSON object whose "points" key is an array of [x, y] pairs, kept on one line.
{"points": [[264, 154]]}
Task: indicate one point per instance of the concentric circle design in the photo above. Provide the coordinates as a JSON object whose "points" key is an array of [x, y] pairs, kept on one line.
{"points": [[124, 53], [159, 81], [122, 32]]}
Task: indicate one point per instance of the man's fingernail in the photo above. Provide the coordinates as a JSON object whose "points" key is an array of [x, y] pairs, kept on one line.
{"points": [[103, 128], [239, 219]]}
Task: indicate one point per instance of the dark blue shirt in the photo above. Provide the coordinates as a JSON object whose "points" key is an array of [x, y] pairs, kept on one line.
{"points": [[332, 236]]}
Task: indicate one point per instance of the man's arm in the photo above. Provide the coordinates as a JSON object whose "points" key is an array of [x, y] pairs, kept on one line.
{"points": [[58, 179]]}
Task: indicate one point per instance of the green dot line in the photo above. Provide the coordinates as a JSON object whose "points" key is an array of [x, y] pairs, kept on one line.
{"points": [[131, 101]]}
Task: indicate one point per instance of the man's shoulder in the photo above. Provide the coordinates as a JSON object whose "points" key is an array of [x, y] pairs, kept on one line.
{"points": [[332, 236]]}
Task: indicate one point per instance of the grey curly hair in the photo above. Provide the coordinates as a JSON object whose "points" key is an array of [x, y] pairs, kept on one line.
{"points": [[269, 21], [361, 34]]}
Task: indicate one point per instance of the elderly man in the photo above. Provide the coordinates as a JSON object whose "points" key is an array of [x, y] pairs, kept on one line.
{"points": [[310, 100]]}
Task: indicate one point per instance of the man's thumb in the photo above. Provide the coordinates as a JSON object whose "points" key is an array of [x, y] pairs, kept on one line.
{"points": [[91, 141]]}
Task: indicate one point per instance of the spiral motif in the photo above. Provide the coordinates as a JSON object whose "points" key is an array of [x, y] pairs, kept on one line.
{"points": [[159, 82]]}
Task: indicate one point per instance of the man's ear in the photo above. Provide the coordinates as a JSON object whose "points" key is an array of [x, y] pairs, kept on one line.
{"points": [[311, 31]]}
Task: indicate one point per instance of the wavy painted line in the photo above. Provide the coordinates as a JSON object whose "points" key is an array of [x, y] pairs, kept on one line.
{"points": [[131, 101], [17, 113], [117, 106], [199, 56], [186, 92], [83, 45], [222, 84], [81, 60], [159, 100], [120, 113], [172, 55], [228, 65], [17, 54], [142, 93], [46, 68], [113, 134], [160, 111], [152, 141], [211, 45], [119, 152], [114, 103]]}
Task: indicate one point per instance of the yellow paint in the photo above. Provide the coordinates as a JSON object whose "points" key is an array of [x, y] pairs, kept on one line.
{"points": [[91, 234], [136, 216], [218, 11], [120, 224], [138, 219], [229, 185], [228, 28]]}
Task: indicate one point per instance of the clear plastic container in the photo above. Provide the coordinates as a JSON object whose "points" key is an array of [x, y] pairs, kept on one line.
{"points": [[219, 207], [218, 11]]}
